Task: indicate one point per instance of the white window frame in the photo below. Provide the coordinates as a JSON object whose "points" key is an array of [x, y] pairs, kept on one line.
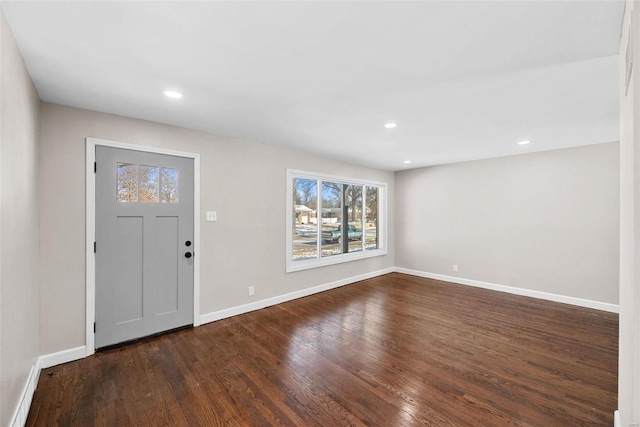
{"points": [[320, 261]]}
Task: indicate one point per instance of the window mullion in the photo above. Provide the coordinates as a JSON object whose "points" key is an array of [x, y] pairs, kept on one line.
{"points": [[319, 220], [344, 219], [363, 217]]}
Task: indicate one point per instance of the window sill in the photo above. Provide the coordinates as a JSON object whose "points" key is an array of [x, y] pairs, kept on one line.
{"points": [[293, 266]]}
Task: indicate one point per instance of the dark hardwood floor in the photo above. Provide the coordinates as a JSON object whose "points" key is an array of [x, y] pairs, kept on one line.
{"points": [[395, 350]]}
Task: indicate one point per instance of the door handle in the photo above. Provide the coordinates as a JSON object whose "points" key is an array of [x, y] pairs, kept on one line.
{"points": [[188, 254]]}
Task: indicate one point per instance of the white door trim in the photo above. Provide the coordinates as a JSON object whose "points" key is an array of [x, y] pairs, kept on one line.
{"points": [[91, 144]]}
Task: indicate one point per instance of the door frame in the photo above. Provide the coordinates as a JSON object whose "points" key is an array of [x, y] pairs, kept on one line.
{"points": [[90, 181]]}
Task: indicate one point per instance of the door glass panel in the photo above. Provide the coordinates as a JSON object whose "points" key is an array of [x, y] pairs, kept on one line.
{"points": [[169, 185], [371, 223], [305, 219], [149, 191], [331, 214], [127, 185], [353, 199]]}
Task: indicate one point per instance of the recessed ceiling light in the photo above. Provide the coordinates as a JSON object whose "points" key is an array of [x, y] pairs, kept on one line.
{"points": [[524, 142], [390, 125], [172, 94], [406, 162]]}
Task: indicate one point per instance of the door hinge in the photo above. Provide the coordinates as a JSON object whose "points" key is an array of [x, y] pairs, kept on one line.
{"points": [[95, 245], [94, 327], [95, 167]]}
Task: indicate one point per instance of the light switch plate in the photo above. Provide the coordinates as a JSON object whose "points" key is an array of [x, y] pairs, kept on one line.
{"points": [[212, 216]]}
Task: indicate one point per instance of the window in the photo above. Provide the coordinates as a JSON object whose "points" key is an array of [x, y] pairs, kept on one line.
{"points": [[169, 185], [127, 190], [333, 220], [147, 184]]}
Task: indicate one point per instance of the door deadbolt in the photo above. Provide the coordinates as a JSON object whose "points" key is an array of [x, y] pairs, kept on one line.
{"points": [[187, 243]]}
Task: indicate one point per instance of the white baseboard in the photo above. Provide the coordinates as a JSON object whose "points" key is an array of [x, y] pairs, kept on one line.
{"points": [[603, 306], [22, 410], [246, 308], [21, 413], [60, 357], [616, 419], [45, 361]]}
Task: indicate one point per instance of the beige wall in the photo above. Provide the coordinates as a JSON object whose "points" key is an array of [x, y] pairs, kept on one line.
{"points": [[19, 288], [546, 221], [244, 182], [629, 350]]}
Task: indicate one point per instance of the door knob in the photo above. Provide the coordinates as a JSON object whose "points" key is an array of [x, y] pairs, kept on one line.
{"points": [[187, 243], [188, 254]]}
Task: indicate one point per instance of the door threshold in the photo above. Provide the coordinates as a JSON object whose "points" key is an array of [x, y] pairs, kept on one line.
{"points": [[142, 339]]}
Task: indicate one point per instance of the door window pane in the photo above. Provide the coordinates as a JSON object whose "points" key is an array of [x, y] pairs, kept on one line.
{"points": [[331, 214], [169, 185], [353, 200], [127, 182], [371, 224], [149, 191], [305, 219]]}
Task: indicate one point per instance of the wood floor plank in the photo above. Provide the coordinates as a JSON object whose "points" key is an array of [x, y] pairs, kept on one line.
{"points": [[395, 350]]}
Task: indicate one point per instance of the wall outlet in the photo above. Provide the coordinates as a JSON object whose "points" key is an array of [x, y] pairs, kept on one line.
{"points": [[251, 291], [455, 268], [212, 216]]}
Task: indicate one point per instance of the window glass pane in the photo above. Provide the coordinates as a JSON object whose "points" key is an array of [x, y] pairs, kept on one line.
{"points": [[331, 214], [353, 199], [371, 224], [305, 223], [169, 185], [329, 217], [149, 184], [127, 185]]}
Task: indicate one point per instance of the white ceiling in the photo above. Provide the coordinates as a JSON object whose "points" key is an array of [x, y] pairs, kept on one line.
{"points": [[464, 80]]}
